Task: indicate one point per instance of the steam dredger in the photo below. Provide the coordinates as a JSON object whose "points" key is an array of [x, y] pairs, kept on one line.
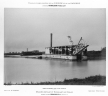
{"points": [[71, 52]]}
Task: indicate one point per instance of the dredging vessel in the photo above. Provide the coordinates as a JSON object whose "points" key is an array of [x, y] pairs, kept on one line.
{"points": [[70, 52]]}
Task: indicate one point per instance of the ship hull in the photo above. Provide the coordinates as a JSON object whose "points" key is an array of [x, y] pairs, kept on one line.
{"points": [[65, 57]]}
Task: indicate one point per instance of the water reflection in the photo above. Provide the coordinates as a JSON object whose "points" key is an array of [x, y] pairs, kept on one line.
{"points": [[80, 64], [59, 63], [36, 70], [68, 63]]}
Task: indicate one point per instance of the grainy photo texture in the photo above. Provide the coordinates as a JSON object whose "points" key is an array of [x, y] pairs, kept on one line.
{"points": [[54, 46]]}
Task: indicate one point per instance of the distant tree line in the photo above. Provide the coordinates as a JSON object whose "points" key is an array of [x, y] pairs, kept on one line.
{"points": [[35, 52], [12, 53]]}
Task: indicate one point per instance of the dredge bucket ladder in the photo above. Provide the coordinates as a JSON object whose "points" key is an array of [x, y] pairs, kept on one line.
{"points": [[81, 50]]}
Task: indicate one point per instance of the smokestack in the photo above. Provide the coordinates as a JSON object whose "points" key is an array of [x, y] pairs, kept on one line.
{"points": [[51, 41]]}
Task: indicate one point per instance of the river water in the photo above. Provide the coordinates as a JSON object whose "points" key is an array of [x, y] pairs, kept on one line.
{"points": [[18, 70]]}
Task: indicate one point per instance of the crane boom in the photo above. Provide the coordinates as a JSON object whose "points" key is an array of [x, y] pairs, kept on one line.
{"points": [[79, 40], [81, 49], [70, 40]]}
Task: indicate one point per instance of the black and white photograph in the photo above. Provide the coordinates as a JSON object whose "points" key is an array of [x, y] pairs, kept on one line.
{"points": [[55, 46]]}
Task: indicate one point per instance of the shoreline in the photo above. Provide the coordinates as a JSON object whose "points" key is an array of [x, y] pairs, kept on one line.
{"points": [[91, 80], [40, 57]]}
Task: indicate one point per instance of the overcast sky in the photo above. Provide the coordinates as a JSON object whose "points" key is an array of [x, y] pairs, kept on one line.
{"points": [[31, 28]]}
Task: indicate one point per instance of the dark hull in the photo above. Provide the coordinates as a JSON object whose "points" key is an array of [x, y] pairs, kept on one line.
{"points": [[30, 53]]}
